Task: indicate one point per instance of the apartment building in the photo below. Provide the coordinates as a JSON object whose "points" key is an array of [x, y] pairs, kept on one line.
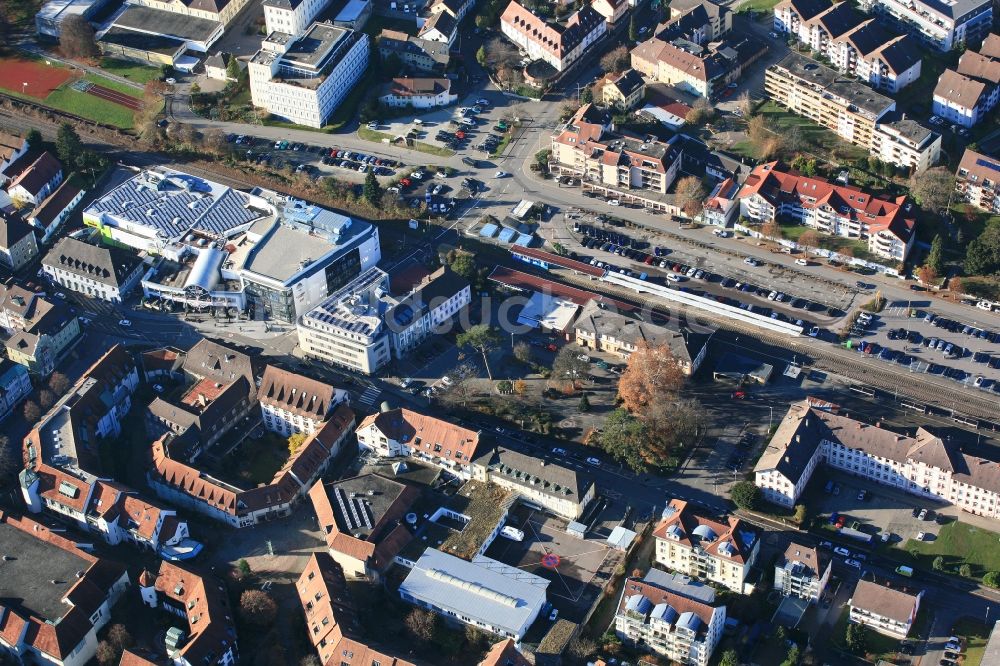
{"points": [[404, 433], [923, 464], [201, 602], [554, 487], [303, 79], [291, 403], [966, 95], [418, 93], [612, 10], [40, 331], [887, 610], [586, 147], [803, 572], [33, 178], [604, 330], [106, 273], [623, 91], [291, 17], [671, 617], [940, 26], [17, 243], [480, 592], [55, 624], [719, 17], [348, 328], [700, 547], [441, 27], [853, 42], [558, 44], [906, 144], [723, 203], [839, 210], [419, 55], [978, 181], [12, 148], [49, 215], [694, 64], [15, 386]]}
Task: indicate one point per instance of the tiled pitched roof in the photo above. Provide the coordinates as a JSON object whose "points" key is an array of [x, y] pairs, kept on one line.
{"points": [[712, 536], [959, 89], [885, 601], [296, 393], [55, 203], [12, 231], [426, 434], [40, 173], [558, 40]]}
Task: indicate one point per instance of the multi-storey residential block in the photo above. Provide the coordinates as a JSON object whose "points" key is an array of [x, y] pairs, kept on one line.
{"points": [[404, 433], [418, 93], [107, 273], [623, 91], [719, 17], [803, 572], [851, 41], [40, 332], [978, 181], [12, 148], [291, 17], [420, 55], [554, 487], [480, 592], [644, 168], [671, 617], [700, 547], [852, 110], [46, 623], [17, 243], [922, 465], [887, 610], [304, 79], [840, 210], [15, 386], [34, 177], [601, 329], [291, 403], [441, 27], [906, 144], [558, 44], [722, 204], [201, 603], [427, 309], [940, 26], [967, 95]]}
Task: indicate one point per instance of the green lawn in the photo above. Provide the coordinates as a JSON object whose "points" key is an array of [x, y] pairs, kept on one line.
{"points": [[858, 248], [816, 139], [132, 71], [88, 106], [975, 634], [758, 5], [377, 137], [958, 543], [877, 646], [257, 460]]}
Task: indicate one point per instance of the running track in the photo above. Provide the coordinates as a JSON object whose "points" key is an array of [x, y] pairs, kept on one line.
{"points": [[121, 99]]}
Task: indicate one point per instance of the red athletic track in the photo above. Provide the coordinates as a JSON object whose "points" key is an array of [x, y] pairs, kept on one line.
{"points": [[116, 97]]}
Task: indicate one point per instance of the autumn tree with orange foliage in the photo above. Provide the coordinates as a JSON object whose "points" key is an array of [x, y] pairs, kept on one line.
{"points": [[652, 374]]}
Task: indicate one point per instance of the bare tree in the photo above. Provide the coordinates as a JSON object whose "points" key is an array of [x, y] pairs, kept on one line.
{"points": [[32, 412], [616, 60], [690, 195], [258, 608], [501, 53], [422, 625], [10, 460], [745, 104], [933, 188], [46, 398], [214, 142], [771, 229], [76, 38], [59, 383], [809, 239]]}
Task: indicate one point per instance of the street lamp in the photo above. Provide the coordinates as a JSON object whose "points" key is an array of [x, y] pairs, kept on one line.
{"points": [[24, 88]]}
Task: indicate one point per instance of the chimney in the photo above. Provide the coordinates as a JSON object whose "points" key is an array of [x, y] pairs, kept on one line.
{"points": [[202, 400]]}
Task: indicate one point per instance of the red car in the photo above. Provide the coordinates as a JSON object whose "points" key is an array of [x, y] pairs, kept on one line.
{"points": [[841, 521], [551, 347], [648, 260], [738, 395], [406, 182]]}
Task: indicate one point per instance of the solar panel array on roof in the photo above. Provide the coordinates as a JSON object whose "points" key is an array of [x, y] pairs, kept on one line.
{"points": [[995, 166]]}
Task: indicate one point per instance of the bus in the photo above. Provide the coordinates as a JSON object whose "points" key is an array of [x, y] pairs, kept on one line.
{"points": [[905, 571]]}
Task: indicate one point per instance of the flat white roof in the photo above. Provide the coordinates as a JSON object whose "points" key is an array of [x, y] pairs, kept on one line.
{"points": [[548, 312]]}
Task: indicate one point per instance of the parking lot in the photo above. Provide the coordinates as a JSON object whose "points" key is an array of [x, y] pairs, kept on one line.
{"points": [[316, 161], [577, 568], [910, 334]]}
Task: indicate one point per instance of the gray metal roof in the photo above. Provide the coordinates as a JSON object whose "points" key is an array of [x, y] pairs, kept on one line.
{"points": [[488, 591]]}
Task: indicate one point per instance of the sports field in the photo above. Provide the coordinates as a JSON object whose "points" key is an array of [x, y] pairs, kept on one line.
{"points": [[103, 100]]}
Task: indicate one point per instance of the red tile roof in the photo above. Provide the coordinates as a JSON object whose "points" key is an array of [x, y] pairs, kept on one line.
{"points": [[690, 524], [427, 434]]}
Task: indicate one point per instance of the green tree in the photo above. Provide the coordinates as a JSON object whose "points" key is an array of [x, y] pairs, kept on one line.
{"points": [[295, 442], [481, 55], [729, 658], [233, 68], [992, 579], [34, 138], [983, 255], [372, 191], [792, 659], [856, 638], [244, 567], [935, 258], [483, 338], [68, 144], [624, 438], [938, 563], [464, 265], [584, 403], [633, 31], [965, 571], [745, 495]]}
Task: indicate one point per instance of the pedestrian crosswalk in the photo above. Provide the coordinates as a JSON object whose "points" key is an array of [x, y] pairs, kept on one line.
{"points": [[369, 397]]}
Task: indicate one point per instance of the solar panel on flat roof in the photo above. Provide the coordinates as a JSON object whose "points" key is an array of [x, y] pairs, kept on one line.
{"points": [[995, 166]]}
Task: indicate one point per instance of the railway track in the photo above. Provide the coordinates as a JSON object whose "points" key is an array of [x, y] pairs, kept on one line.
{"points": [[916, 390]]}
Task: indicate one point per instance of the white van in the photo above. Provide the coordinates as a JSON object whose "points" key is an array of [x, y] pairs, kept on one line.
{"points": [[984, 305]]}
